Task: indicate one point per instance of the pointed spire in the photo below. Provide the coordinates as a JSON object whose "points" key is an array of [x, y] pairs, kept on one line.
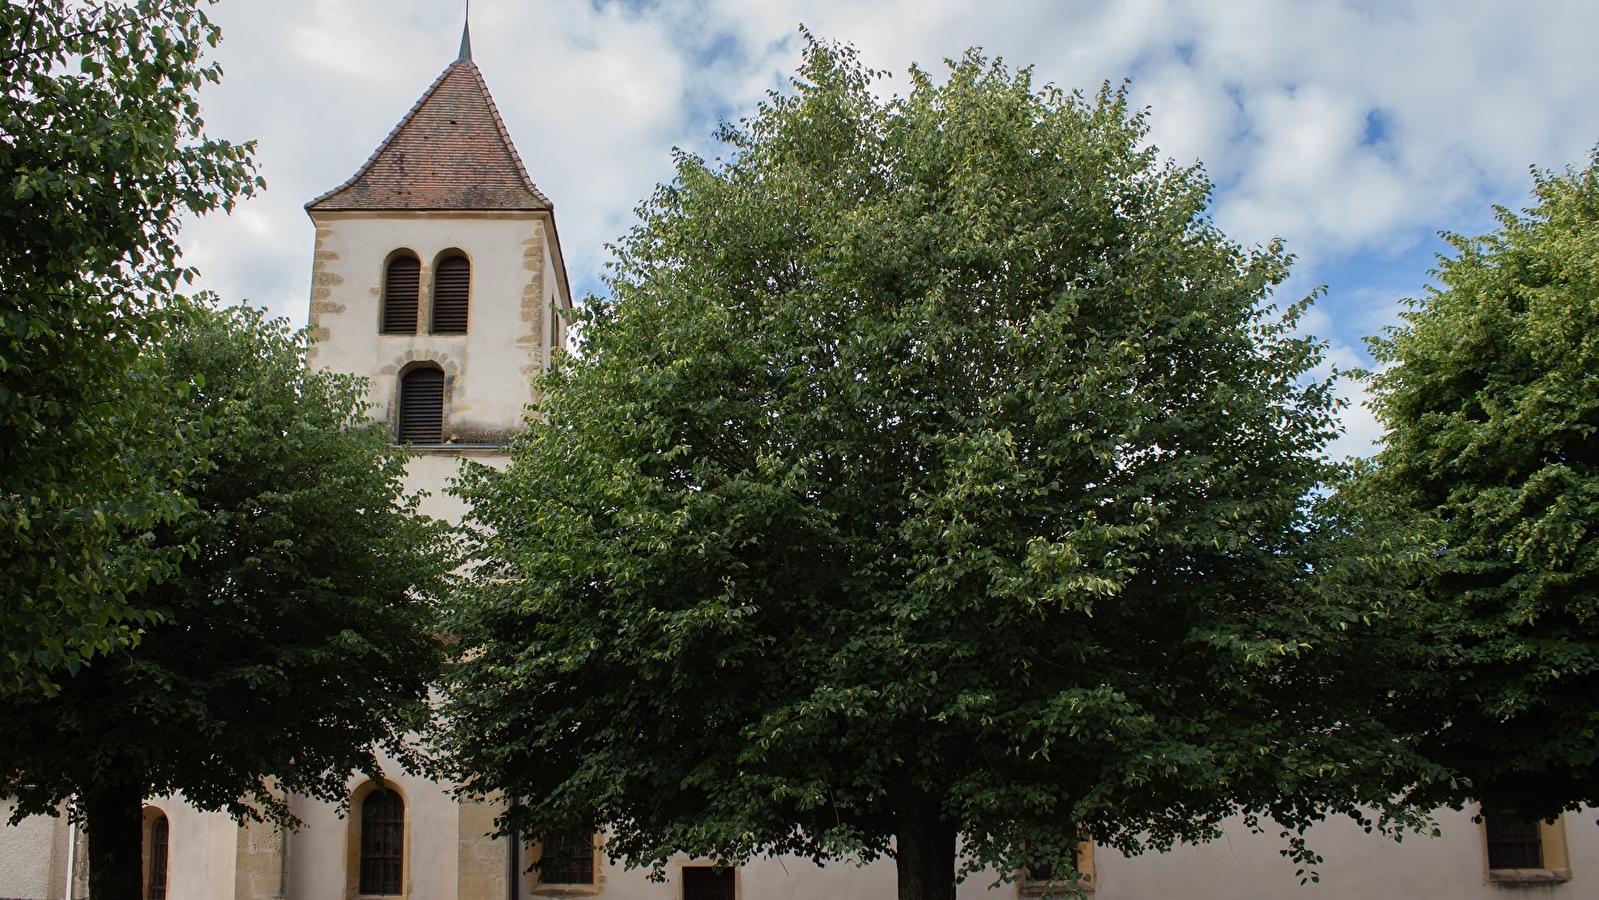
{"points": [[466, 35]]}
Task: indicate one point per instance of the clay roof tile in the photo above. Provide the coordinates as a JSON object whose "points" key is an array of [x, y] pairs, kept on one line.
{"points": [[450, 152]]}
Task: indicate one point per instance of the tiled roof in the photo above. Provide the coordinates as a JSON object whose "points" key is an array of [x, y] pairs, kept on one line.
{"points": [[451, 151]]}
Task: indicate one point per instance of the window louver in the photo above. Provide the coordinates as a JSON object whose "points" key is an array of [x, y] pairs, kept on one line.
{"points": [[422, 407], [382, 844], [452, 285], [399, 295]]}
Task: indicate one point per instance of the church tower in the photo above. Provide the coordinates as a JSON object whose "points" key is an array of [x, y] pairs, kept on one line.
{"points": [[438, 275]]}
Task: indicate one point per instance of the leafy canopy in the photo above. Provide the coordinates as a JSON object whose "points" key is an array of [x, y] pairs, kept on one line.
{"points": [[936, 467], [1491, 402], [300, 633], [101, 154]]}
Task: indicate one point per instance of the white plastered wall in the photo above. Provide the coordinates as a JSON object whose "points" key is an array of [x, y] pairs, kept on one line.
{"points": [[488, 370], [319, 853], [1358, 866], [1240, 866], [431, 473], [201, 851], [33, 860]]}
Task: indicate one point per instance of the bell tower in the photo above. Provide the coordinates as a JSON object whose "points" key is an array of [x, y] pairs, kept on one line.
{"points": [[438, 275]]}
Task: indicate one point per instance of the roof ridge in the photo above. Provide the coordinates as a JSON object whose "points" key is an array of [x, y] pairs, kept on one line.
{"points": [[505, 134]]}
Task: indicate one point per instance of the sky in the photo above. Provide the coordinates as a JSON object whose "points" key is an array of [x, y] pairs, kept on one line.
{"points": [[1356, 131]]}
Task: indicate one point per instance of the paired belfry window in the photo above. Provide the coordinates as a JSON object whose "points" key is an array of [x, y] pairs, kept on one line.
{"points": [[402, 289], [452, 287]]}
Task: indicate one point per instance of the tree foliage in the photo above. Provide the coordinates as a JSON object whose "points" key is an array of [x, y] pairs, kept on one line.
{"points": [[101, 154], [296, 639], [1490, 396], [935, 468]]}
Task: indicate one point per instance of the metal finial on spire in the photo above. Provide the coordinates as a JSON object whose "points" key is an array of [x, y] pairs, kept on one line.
{"points": [[466, 35]]}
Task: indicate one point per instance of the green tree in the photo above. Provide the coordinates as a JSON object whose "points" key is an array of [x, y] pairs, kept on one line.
{"points": [[297, 639], [934, 484], [101, 154], [1490, 396]]}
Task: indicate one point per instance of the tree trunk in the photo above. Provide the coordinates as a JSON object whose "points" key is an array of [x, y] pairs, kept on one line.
{"points": [[116, 843], [924, 851]]}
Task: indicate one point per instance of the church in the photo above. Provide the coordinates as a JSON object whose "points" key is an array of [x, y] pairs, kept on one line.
{"points": [[438, 274]]}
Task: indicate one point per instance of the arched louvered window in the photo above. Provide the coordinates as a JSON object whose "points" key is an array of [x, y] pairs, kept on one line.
{"points": [[160, 835], [400, 287], [452, 287], [422, 406], [382, 844]]}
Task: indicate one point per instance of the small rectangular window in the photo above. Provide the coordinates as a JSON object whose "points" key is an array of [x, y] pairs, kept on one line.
{"points": [[567, 858], [1524, 853], [1513, 843], [1040, 880], [708, 883]]}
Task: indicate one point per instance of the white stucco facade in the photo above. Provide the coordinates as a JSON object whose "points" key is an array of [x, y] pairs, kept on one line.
{"points": [[1358, 866], [33, 856], [445, 847], [516, 280], [319, 854], [202, 850]]}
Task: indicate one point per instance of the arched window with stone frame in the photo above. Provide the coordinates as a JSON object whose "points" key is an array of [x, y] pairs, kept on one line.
{"points": [[452, 293], [421, 402], [379, 842], [402, 287], [157, 853]]}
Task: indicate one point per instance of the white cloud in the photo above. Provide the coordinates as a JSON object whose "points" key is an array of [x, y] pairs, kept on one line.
{"points": [[1353, 129]]}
